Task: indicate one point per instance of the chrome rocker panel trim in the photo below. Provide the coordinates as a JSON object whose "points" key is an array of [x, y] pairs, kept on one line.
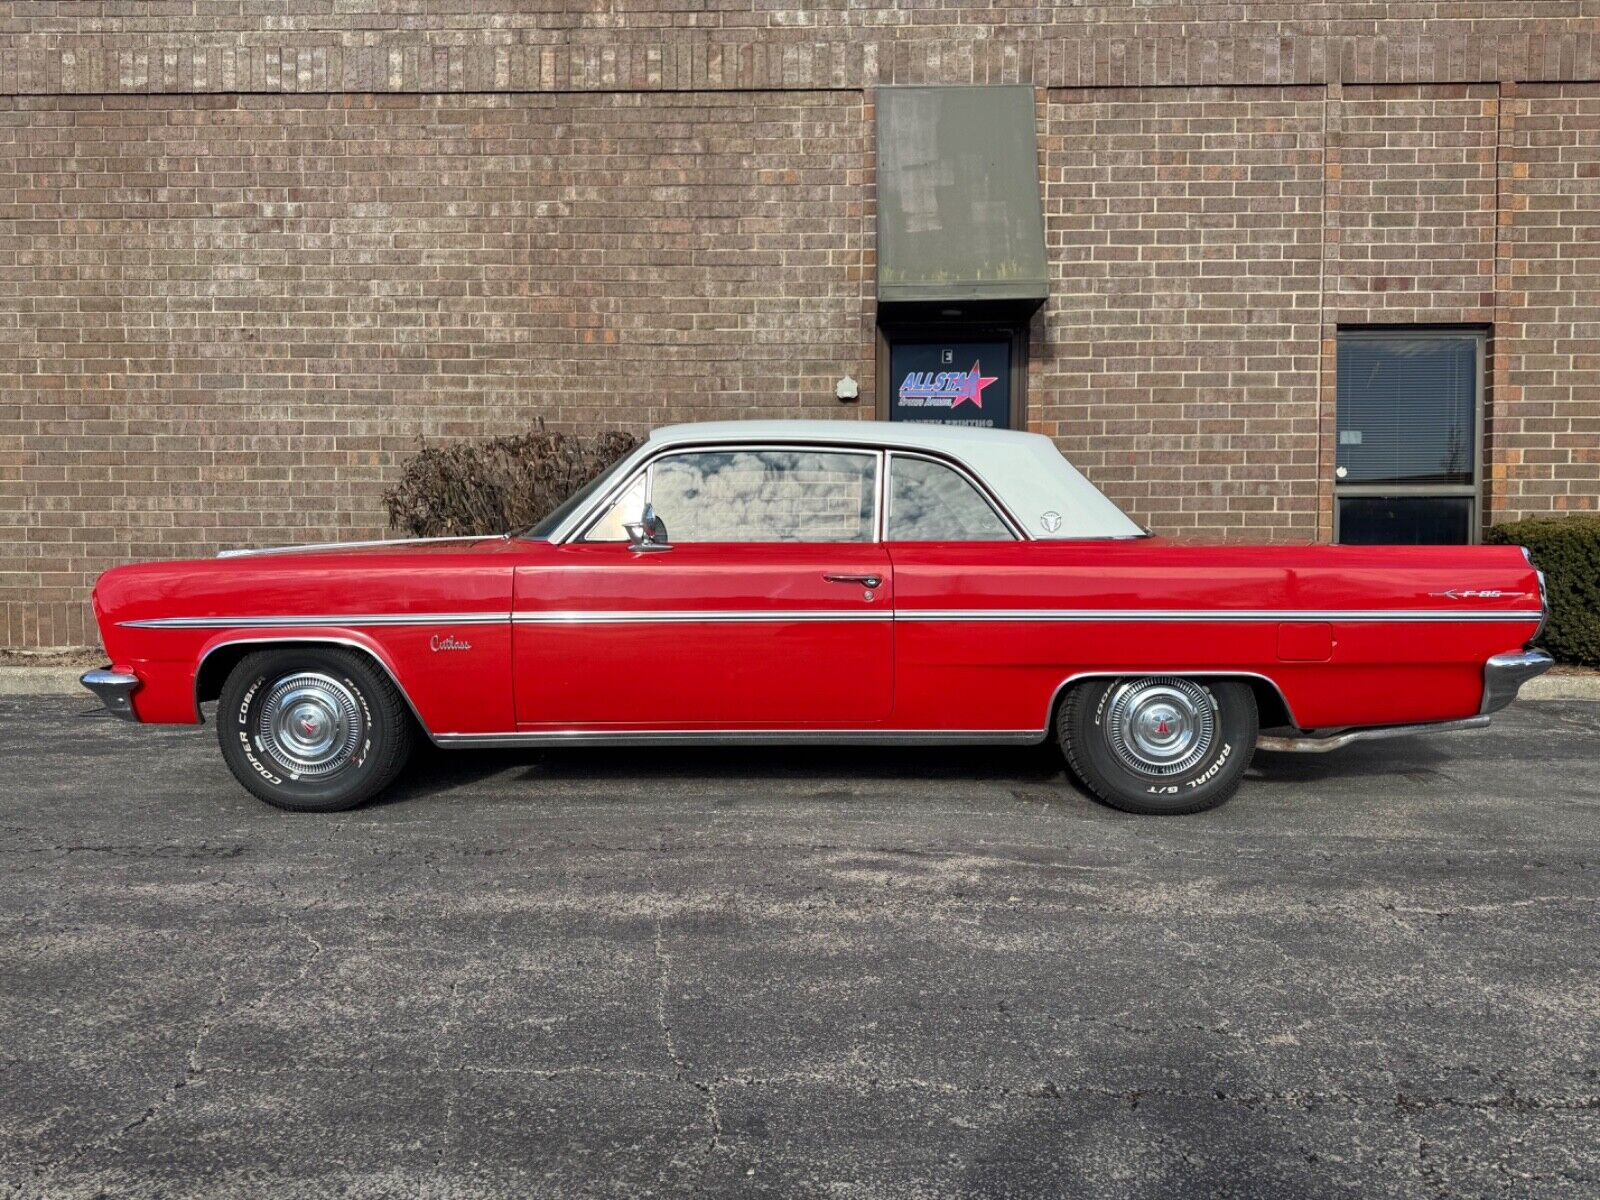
{"points": [[114, 689], [744, 737], [1504, 675], [1312, 744]]}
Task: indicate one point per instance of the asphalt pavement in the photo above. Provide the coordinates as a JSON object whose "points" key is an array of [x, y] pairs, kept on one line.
{"points": [[800, 973]]}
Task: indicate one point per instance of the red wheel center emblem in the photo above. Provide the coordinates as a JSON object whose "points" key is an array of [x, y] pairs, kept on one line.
{"points": [[308, 726], [1161, 727]]}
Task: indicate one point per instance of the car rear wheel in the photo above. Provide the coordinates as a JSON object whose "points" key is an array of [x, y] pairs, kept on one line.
{"points": [[1159, 744], [312, 729]]}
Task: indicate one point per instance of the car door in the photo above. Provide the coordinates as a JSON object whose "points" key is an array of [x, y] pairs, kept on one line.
{"points": [[771, 607], [953, 549]]}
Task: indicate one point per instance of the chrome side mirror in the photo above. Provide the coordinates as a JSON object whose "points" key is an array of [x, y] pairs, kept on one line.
{"points": [[649, 532]]}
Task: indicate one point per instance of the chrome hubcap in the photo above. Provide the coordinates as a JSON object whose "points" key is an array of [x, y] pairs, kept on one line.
{"points": [[1160, 726], [310, 725]]}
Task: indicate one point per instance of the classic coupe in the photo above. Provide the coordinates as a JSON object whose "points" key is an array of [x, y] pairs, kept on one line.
{"points": [[820, 582]]}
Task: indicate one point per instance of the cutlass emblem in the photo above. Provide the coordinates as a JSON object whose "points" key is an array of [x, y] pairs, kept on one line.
{"points": [[437, 643]]}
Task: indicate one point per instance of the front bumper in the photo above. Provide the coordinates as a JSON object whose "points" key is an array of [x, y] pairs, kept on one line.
{"points": [[115, 690], [1504, 674]]}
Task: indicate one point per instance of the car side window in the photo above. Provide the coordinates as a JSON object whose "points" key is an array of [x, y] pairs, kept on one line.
{"points": [[930, 502], [625, 510], [766, 496]]}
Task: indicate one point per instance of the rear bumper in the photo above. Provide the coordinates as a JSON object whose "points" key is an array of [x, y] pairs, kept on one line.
{"points": [[1504, 674], [115, 690]]}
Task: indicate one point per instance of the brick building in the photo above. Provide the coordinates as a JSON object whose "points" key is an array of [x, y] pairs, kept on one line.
{"points": [[252, 251]]}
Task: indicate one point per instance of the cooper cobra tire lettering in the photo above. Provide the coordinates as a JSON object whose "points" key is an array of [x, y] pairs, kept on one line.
{"points": [[244, 705], [260, 768], [379, 749], [1100, 709], [255, 762]]}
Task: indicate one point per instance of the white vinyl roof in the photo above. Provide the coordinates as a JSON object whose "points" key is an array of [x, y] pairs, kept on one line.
{"points": [[1025, 471]]}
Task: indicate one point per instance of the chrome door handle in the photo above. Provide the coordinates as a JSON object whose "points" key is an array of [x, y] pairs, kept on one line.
{"points": [[870, 581]]}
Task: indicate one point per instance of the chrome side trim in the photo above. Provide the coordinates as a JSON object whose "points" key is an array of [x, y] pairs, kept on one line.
{"points": [[1055, 697], [346, 620], [1204, 614], [745, 737], [331, 641], [618, 616], [669, 615], [115, 690], [1504, 675], [1311, 744], [252, 551]]}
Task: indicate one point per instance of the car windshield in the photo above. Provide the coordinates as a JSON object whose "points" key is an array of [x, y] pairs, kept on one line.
{"points": [[571, 504]]}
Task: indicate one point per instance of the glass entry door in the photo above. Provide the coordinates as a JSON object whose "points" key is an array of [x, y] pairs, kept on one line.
{"points": [[1409, 462]]}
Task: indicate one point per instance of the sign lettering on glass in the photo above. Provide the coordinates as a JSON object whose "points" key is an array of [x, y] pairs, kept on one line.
{"points": [[951, 383]]}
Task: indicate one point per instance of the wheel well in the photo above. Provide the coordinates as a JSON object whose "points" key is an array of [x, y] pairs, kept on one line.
{"points": [[219, 663], [1271, 708]]}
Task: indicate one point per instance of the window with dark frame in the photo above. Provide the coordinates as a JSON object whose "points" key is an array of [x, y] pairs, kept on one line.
{"points": [[1409, 453]]}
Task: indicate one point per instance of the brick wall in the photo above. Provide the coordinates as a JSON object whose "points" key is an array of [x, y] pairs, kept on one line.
{"points": [[52, 47], [250, 261], [236, 314], [1546, 411], [1177, 360]]}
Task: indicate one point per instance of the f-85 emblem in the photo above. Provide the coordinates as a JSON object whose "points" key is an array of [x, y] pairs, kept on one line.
{"points": [[1473, 594]]}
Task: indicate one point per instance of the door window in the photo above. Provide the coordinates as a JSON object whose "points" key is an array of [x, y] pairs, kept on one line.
{"points": [[1408, 459], [930, 502], [765, 496]]}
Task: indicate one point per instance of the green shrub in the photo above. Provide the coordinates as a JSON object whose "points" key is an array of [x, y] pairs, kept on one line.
{"points": [[506, 483], [1567, 550]]}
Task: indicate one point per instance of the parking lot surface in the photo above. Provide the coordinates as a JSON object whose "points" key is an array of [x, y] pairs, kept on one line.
{"points": [[800, 973]]}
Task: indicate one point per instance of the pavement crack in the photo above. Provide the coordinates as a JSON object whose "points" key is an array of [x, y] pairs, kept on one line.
{"points": [[193, 1061], [706, 1091], [192, 1067]]}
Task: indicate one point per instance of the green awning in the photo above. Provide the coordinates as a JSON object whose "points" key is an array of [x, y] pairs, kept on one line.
{"points": [[959, 214]]}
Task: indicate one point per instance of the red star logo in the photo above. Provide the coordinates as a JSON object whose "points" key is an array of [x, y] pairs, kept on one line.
{"points": [[972, 385]]}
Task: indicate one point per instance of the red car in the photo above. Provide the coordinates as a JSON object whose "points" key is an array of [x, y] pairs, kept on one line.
{"points": [[820, 582]]}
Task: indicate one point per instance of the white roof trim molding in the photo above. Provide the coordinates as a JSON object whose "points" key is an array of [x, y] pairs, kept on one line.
{"points": [[1043, 492]]}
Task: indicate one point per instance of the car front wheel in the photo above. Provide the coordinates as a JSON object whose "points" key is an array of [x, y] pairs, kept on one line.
{"points": [[312, 729], [1159, 744]]}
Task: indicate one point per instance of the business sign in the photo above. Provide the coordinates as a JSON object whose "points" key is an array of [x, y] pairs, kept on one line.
{"points": [[951, 383]]}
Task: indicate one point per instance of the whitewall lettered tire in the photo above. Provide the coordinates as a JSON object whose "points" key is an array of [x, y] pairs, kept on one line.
{"points": [[312, 728], [1159, 744]]}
